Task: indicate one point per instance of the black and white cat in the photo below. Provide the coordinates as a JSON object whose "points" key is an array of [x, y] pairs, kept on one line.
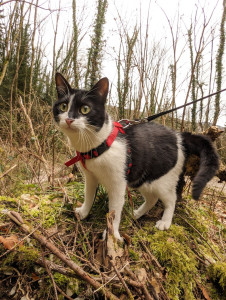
{"points": [[148, 156]]}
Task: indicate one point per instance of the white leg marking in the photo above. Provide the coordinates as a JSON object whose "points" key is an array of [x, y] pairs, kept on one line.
{"points": [[116, 195], [169, 201], [163, 188], [166, 187], [90, 191], [150, 201]]}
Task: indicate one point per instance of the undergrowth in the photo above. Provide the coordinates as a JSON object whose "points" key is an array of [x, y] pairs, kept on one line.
{"points": [[191, 252]]}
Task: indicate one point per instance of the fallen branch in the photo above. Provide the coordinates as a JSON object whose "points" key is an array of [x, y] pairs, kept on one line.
{"points": [[16, 218]]}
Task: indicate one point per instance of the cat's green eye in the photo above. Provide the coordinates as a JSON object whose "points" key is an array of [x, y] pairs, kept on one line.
{"points": [[63, 107], [85, 109]]}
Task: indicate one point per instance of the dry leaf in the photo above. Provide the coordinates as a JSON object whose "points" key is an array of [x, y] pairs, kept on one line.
{"points": [[35, 277], [170, 240], [141, 275], [78, 204], [9, 242]]}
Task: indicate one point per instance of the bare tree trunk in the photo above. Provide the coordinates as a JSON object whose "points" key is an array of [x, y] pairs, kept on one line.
{"points": [[32, 55], [54, 51], [9, 44], [75, 43], [219, 64], [210, 84], [18, 63], [94, 62], [175, 62]]}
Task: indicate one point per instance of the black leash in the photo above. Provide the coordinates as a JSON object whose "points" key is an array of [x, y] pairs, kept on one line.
{"points": [[150, 118], [153, 117]]}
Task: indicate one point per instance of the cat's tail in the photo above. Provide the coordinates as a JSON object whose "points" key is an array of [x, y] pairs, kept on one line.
{"points": [[201, 146]]}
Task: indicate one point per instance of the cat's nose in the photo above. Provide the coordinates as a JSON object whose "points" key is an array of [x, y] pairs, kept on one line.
{"points": [[69, 121]]}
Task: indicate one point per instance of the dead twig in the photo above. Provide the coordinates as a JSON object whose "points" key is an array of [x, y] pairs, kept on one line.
{"points": [[112, 278], [122, 280], [152, 257], [51, 276], [55, 267], [9, 170]]}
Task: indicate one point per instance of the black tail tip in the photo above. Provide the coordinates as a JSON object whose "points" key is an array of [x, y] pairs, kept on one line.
{"points": [[196, 194]]}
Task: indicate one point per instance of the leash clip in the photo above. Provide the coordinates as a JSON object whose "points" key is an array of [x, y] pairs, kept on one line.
{"points": [[127, 123]]}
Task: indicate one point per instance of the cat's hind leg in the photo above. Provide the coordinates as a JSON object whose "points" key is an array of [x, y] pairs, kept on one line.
{"points": [[150, 201], [169, 200]]}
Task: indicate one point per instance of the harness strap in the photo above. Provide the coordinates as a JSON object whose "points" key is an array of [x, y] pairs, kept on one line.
{"points": [[82, 156]]}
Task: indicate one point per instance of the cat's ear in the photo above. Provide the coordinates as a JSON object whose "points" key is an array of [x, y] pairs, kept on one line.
{"points": [[100, 89], [62, 86]]}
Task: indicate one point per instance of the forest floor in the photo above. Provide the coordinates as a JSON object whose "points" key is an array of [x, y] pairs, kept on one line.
{"points": [[46, 252]]}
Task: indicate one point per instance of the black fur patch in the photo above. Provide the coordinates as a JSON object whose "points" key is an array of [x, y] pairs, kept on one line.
{"points": [[153, 152]]}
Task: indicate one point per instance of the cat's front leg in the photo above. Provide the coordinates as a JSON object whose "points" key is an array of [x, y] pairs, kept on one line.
{"points": [[90, 191], [116, 195]]}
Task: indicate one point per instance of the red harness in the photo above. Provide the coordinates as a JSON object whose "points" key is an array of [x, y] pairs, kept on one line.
{"points": [[82, 156]]}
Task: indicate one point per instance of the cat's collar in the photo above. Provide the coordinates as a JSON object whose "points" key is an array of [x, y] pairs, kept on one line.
{"points": [[95, 152]]}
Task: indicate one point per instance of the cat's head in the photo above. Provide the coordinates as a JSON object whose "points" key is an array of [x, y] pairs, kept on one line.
{"points": [[76, 109]]}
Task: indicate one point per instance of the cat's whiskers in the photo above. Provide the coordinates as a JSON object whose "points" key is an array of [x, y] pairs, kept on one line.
{"points": [[89, 139], [85, 140]]}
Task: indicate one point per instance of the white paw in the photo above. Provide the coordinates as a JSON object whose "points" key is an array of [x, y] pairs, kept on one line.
{"points": [[116, 235], [82, 212], [163, 225], [136, 214]]}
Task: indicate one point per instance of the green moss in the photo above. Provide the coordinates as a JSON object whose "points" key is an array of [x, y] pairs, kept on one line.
{"points": [[217, 273], [179, 249], [134, 256], [23, 257], [65, 283], [7, 203], [60, 279], [172, 250], [46, 210], [22, 188]]}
